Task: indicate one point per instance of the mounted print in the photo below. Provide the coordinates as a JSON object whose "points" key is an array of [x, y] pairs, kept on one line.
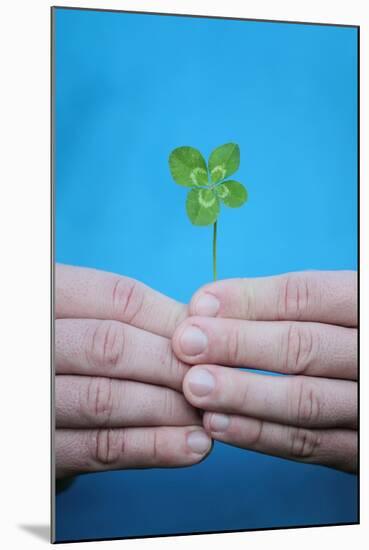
{"points": [[205, 222]]}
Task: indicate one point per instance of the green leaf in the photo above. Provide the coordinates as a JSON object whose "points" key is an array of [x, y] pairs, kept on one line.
{"points": [[202, 206], [188, 167], [224, 161], [232, 193]]}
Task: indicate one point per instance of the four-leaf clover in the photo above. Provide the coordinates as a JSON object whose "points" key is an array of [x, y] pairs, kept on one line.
{"points": [[208, 188]]}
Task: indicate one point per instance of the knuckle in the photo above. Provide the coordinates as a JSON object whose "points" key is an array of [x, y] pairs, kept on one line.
{"points": [[155, 446], [248, 300], [159, 450], [255, 433], [169, 405], [302, 443], [97, 402], [127, 298], [242, 401], [294, 296], [105, 346], [106, 446], [298, 349], [305, 402], [234, 345], [176, 369]]}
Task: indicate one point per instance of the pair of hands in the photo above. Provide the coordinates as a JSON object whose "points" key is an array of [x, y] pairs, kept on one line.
{"points": [[127, 396]]}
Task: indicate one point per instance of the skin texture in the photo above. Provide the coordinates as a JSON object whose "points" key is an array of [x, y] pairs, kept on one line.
{"points": [[301, 325], [120, 378], [118, 385]]}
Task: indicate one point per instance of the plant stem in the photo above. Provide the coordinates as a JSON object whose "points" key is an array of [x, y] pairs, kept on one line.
{"points": [[215, 251]]}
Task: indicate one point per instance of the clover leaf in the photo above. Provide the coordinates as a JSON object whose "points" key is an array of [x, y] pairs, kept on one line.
{"points": [[224, 161], [232, 193], [202, 206], [188, 167], [208, 188]]}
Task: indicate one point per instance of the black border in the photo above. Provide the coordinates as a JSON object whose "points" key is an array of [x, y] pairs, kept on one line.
{"points": [[52, 277], [52, 254], [358, 269], [207, 16]]}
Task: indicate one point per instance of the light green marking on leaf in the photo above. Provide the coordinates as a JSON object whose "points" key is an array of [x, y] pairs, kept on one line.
{"points": [[206, 198], [202, 206], [197, 176], [218, 173], [188, 167], [224, 161], [222, 191], [232, 193]]}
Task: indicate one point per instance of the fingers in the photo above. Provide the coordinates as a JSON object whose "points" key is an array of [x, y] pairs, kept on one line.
{"points": [[89, 293], [79, 451], [296, 400], [314, 349], [323, 296], [113, 349], [335, 448], [92, 402]]}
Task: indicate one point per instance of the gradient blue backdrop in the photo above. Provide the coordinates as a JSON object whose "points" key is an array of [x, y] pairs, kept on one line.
{"points": [[130, 88]]}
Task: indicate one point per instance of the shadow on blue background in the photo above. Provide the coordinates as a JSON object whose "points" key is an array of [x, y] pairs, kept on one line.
{"points": [[130, 88]]}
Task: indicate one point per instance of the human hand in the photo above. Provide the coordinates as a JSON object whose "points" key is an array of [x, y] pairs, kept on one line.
{"points": [[118, 400], [303, 325]]}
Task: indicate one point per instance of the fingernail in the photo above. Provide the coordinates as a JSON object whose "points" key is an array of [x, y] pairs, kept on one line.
{"points": [[206, 305], [193, 341], [219, 422], [198, 442], [201, 382]]}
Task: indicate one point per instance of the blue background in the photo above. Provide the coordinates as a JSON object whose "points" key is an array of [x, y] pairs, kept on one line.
{"points": [[130, 88]]}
